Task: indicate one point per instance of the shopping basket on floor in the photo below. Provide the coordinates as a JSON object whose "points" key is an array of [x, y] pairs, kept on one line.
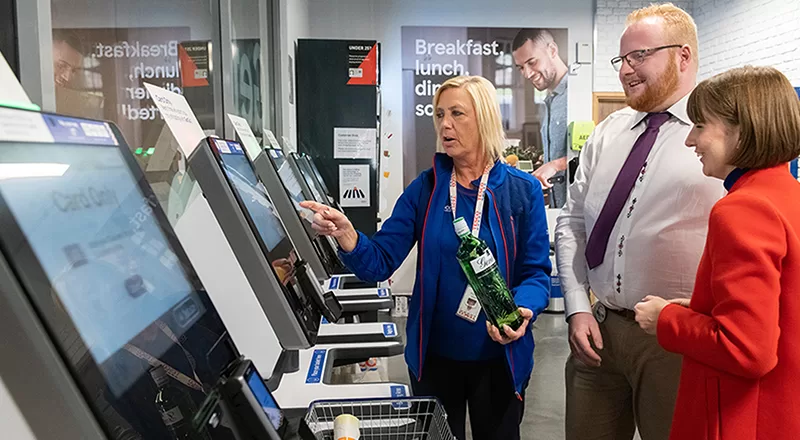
{"points": [[409, 418]]}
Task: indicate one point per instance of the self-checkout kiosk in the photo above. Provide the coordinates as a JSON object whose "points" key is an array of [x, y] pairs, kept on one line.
{"points": [[294, 336], [247, 214], [315, 184], [314, 188], [248, 217], [282, 179], [108, 333]]}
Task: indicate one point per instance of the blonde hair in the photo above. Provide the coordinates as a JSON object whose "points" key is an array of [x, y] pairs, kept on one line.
{"points": [[679, 26], [487, 113], [758, 102]]}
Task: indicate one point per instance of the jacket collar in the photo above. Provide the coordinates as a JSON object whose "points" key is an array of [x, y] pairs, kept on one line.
{"points": [[764, 174], [443, 165]]}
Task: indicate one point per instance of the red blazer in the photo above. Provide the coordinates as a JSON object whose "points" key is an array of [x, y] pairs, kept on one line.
{"points": [[740, 338]]}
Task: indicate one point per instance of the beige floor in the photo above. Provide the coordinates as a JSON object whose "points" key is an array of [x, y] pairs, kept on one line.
{"points": [[544, 410]]}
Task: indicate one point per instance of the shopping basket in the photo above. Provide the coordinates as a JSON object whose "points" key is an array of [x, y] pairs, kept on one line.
{"points": [[411, 418]]}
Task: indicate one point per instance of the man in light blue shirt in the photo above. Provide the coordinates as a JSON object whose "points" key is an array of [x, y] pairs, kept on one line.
{"points": [[536, 56]]}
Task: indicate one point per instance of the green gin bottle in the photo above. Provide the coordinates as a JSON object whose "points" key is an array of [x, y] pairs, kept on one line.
{"points": [[484, 277]]}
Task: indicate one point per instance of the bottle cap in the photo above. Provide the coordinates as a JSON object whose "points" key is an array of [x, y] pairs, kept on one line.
{"points": [[461, 226]]}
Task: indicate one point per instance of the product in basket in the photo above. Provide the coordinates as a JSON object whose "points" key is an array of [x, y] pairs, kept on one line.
{"points": [[346, 427]]}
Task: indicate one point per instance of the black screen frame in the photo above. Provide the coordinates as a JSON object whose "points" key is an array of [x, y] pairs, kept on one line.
{"points": [[308, 176], [310, 232], [34, 282], [315, 171], [292, 290]]}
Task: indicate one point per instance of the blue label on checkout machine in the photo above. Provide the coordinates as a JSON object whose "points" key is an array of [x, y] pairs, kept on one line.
{"points": [[70, 130], [316, 367], [334, 283], [389, 330], [399, 392], [383, 292]]}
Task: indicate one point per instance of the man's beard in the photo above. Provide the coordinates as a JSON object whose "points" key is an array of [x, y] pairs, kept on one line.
{"points": [[656, 92]]}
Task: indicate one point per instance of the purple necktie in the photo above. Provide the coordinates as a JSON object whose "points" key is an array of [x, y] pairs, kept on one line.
{"points": [[618, 195]]}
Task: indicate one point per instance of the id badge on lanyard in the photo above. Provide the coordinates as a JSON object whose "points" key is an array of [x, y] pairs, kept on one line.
{"points": [[191, 382], [470, 307]]}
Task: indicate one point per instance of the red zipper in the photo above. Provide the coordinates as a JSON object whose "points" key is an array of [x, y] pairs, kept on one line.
{"points": [[503, 232], [508, 276]]}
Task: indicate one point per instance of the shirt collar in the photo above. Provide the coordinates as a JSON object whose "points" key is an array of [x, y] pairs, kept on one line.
{"points": [[678, 110], [561, 88], [733, 176]]}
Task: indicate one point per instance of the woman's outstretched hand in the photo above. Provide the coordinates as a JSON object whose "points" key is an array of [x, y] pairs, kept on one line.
{"points": [[328, 221]]}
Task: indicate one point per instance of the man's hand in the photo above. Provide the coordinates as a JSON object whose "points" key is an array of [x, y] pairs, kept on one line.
{"points": [[545, 172], [647, 311], [549, 170], [583, 331], [510, 335], [328, 221]]}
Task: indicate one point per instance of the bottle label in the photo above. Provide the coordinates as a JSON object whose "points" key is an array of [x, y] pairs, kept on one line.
{"points": [[482, 262], [172, 416]]}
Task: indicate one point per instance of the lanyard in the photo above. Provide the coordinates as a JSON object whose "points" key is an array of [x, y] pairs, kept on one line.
{"points": [[476, 220], [171, 372]]}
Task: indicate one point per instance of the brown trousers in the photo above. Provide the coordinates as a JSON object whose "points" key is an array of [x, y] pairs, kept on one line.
{"points": [[635, 386]]}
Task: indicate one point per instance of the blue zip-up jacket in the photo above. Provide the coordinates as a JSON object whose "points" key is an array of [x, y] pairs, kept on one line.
{"points": [[516, 217]]}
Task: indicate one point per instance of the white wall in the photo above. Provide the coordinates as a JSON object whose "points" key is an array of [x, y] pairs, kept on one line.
{"points": [[295, 25], [760, 32], [381, 20], [731, 33], [609, 24]]}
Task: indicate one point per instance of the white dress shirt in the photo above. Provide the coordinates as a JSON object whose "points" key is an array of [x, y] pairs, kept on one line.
{"points": [[657, 241]]}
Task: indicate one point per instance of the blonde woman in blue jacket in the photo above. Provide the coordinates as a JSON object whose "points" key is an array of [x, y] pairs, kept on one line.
{"points": [[455, 359]]}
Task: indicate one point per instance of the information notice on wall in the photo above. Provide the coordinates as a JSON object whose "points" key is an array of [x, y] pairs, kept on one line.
{"points": [[355, 143], [354, 186]]}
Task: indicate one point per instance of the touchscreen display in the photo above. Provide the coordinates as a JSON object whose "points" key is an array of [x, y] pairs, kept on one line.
{"points": [[265, 399], [96, 258], [320, 180], [312, 183], [93, 232], [292, 184], [259, 207]]}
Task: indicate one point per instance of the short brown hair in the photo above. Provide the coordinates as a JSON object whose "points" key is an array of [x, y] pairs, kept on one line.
{"points": [[761, 104], [679, 25]]}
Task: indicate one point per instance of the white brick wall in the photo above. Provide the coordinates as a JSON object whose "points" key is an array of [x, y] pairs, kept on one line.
{"points": [[733, 33], [609, 24]]}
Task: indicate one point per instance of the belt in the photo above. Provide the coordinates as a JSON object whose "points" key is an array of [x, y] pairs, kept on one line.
{"points": [[600, 312], [625, 313]]}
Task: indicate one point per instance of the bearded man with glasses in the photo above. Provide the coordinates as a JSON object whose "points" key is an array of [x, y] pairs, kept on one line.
{"points": [[634, 225]]}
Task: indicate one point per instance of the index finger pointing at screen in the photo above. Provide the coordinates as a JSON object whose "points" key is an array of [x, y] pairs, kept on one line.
{"points": [[314, 206]]}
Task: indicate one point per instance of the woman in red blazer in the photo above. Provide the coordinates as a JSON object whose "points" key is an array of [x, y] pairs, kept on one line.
{"points": [[740, 334]]}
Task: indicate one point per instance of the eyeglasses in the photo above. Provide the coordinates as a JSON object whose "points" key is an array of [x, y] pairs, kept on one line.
{"points": [[635, 58]]}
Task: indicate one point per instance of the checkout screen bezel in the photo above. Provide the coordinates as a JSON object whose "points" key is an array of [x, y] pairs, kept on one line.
{"points": [[278, 155], [311, 180], [57, 322], [292, 289]]}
